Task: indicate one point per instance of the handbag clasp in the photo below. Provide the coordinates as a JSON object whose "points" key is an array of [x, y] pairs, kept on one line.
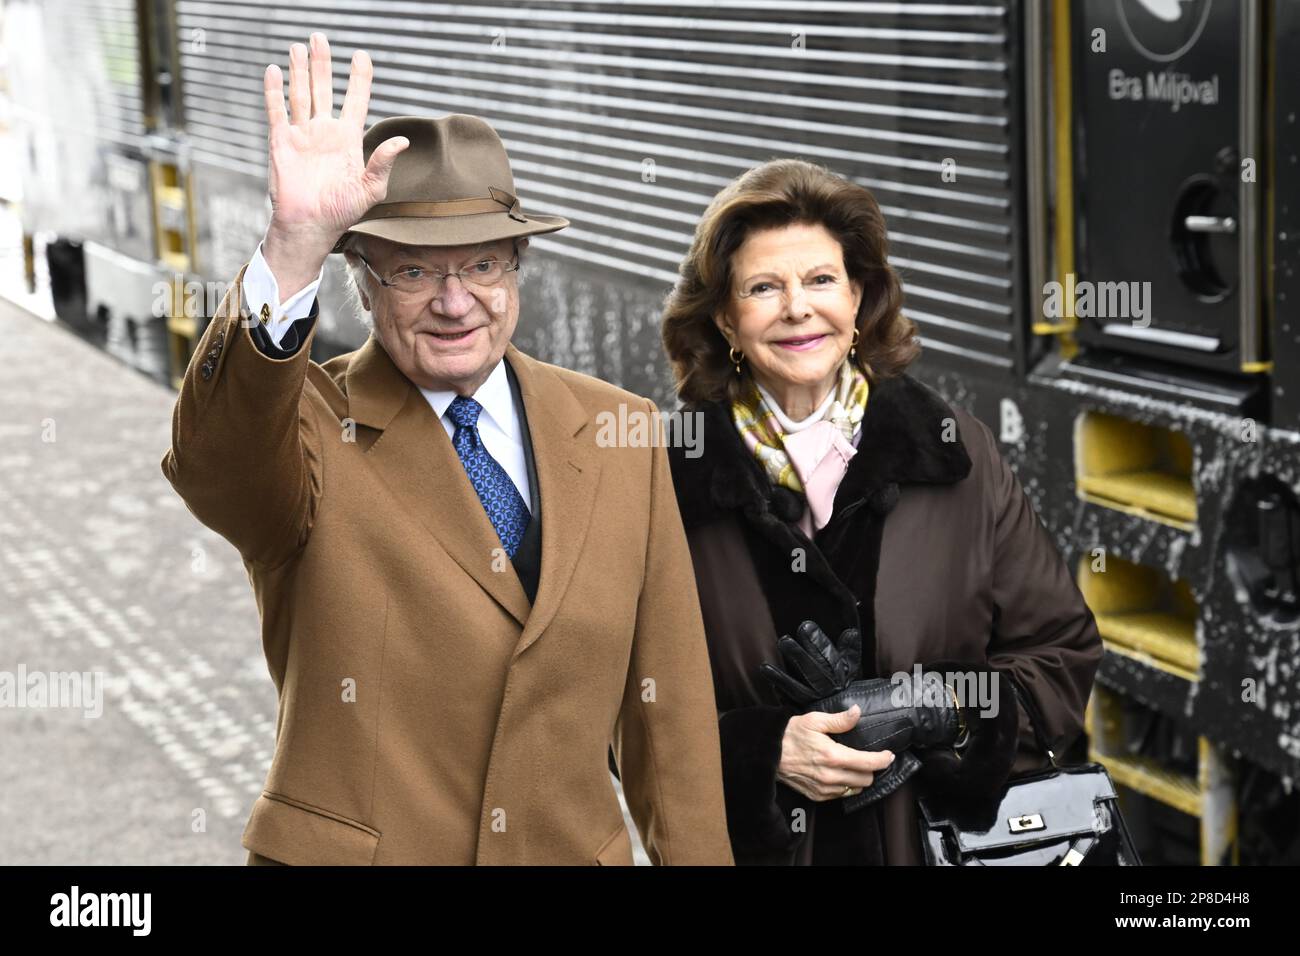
{"points": [[1026, 822]]}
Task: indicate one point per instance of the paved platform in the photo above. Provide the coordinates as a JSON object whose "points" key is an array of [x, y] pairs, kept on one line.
{"points": [[104, 571]]}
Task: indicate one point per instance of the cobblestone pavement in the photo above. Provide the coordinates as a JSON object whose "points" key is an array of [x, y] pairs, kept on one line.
{"points": [[104, 571]]}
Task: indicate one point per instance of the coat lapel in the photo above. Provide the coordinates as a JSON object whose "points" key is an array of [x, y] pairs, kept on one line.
{"points": [[567, 472], [909, 437], [414, 457]]}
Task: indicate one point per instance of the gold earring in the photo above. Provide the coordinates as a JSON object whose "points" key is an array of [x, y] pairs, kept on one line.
{"points": [[853, 349], [736, 358]]}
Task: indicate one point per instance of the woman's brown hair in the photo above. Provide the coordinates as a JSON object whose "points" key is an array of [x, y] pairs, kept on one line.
{"points": [[780, 193]]}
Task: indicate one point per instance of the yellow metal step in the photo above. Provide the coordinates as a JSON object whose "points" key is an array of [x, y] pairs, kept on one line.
{"points": [[1148, 777], [1152, 494], [1169, 641], [1136, 468], [1143, 614]]}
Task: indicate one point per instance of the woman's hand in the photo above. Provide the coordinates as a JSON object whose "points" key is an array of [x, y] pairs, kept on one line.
{"points": [[319, 182], [819, 767]]}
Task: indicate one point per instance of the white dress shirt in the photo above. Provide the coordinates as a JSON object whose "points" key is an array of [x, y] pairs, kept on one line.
{"points": [[498, 424], [260, 288]]}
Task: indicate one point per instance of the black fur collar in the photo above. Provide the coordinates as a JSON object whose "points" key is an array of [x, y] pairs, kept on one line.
{"points": [[903, 442]]}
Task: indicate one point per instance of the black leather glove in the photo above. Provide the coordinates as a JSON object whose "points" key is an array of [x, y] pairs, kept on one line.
{"points": [[814, 667], [897, 716], [818, 675]]}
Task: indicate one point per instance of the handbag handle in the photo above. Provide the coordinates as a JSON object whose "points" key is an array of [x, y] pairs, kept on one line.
{"points": [[1035, 715]]}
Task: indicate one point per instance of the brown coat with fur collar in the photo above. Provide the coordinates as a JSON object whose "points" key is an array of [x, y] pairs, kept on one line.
{"points": [[936, 554]]}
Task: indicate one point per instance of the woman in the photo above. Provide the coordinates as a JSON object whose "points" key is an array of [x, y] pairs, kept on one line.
{"points": [[832, 487]]}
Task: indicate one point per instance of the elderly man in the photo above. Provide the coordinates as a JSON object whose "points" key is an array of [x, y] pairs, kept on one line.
{"points": [[466, 600]]}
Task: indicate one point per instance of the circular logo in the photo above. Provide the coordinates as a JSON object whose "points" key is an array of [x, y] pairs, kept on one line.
{"points": [[1163, 30]]}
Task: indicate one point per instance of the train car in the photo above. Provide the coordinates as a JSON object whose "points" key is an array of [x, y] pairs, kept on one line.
{"points": [[1092, 205]]}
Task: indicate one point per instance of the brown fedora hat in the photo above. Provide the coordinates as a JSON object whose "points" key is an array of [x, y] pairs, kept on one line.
{"points": [[451, 187]]}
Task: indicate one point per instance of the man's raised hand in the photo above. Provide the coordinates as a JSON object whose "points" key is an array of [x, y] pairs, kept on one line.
{"points": [[319, 182]]}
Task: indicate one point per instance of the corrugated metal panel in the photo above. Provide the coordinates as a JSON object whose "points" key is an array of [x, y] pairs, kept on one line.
{"points": [[628, 117], [103, 46]]}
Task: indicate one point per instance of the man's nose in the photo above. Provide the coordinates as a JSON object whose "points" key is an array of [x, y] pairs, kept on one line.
{"points": [[454, 301]]}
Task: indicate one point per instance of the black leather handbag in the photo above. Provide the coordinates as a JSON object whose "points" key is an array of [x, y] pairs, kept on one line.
{"points": [[1059, 816]]}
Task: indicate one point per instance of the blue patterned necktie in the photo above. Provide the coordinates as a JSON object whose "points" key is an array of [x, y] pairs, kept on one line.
{"points": [[501, 499]]}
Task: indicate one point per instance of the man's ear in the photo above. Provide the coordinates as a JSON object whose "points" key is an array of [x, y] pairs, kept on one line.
{"points": [[355, 263], [515, 250]]}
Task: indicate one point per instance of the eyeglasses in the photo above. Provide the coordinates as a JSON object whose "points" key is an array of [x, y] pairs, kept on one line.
{"points": [[412, 280], [822, 284]]}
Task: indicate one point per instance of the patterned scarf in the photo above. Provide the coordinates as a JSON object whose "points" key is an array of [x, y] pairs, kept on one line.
{"points": [[762, 433]]}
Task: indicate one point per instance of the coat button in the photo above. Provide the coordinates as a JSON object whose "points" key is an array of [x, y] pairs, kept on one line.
{"points": [[206, 369]]}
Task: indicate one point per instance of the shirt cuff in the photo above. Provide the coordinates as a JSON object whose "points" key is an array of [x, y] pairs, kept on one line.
{"points": [[262, 298]]}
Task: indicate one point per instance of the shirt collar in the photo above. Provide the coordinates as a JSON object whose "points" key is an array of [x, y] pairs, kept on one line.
{"points": [[494, 395]]}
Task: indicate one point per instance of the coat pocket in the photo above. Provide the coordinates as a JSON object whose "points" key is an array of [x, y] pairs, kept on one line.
{"points": [[300, 834], [617, 850]]}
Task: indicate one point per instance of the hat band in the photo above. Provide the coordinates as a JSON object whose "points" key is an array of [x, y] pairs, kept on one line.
{"points": [[501, 201]]}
